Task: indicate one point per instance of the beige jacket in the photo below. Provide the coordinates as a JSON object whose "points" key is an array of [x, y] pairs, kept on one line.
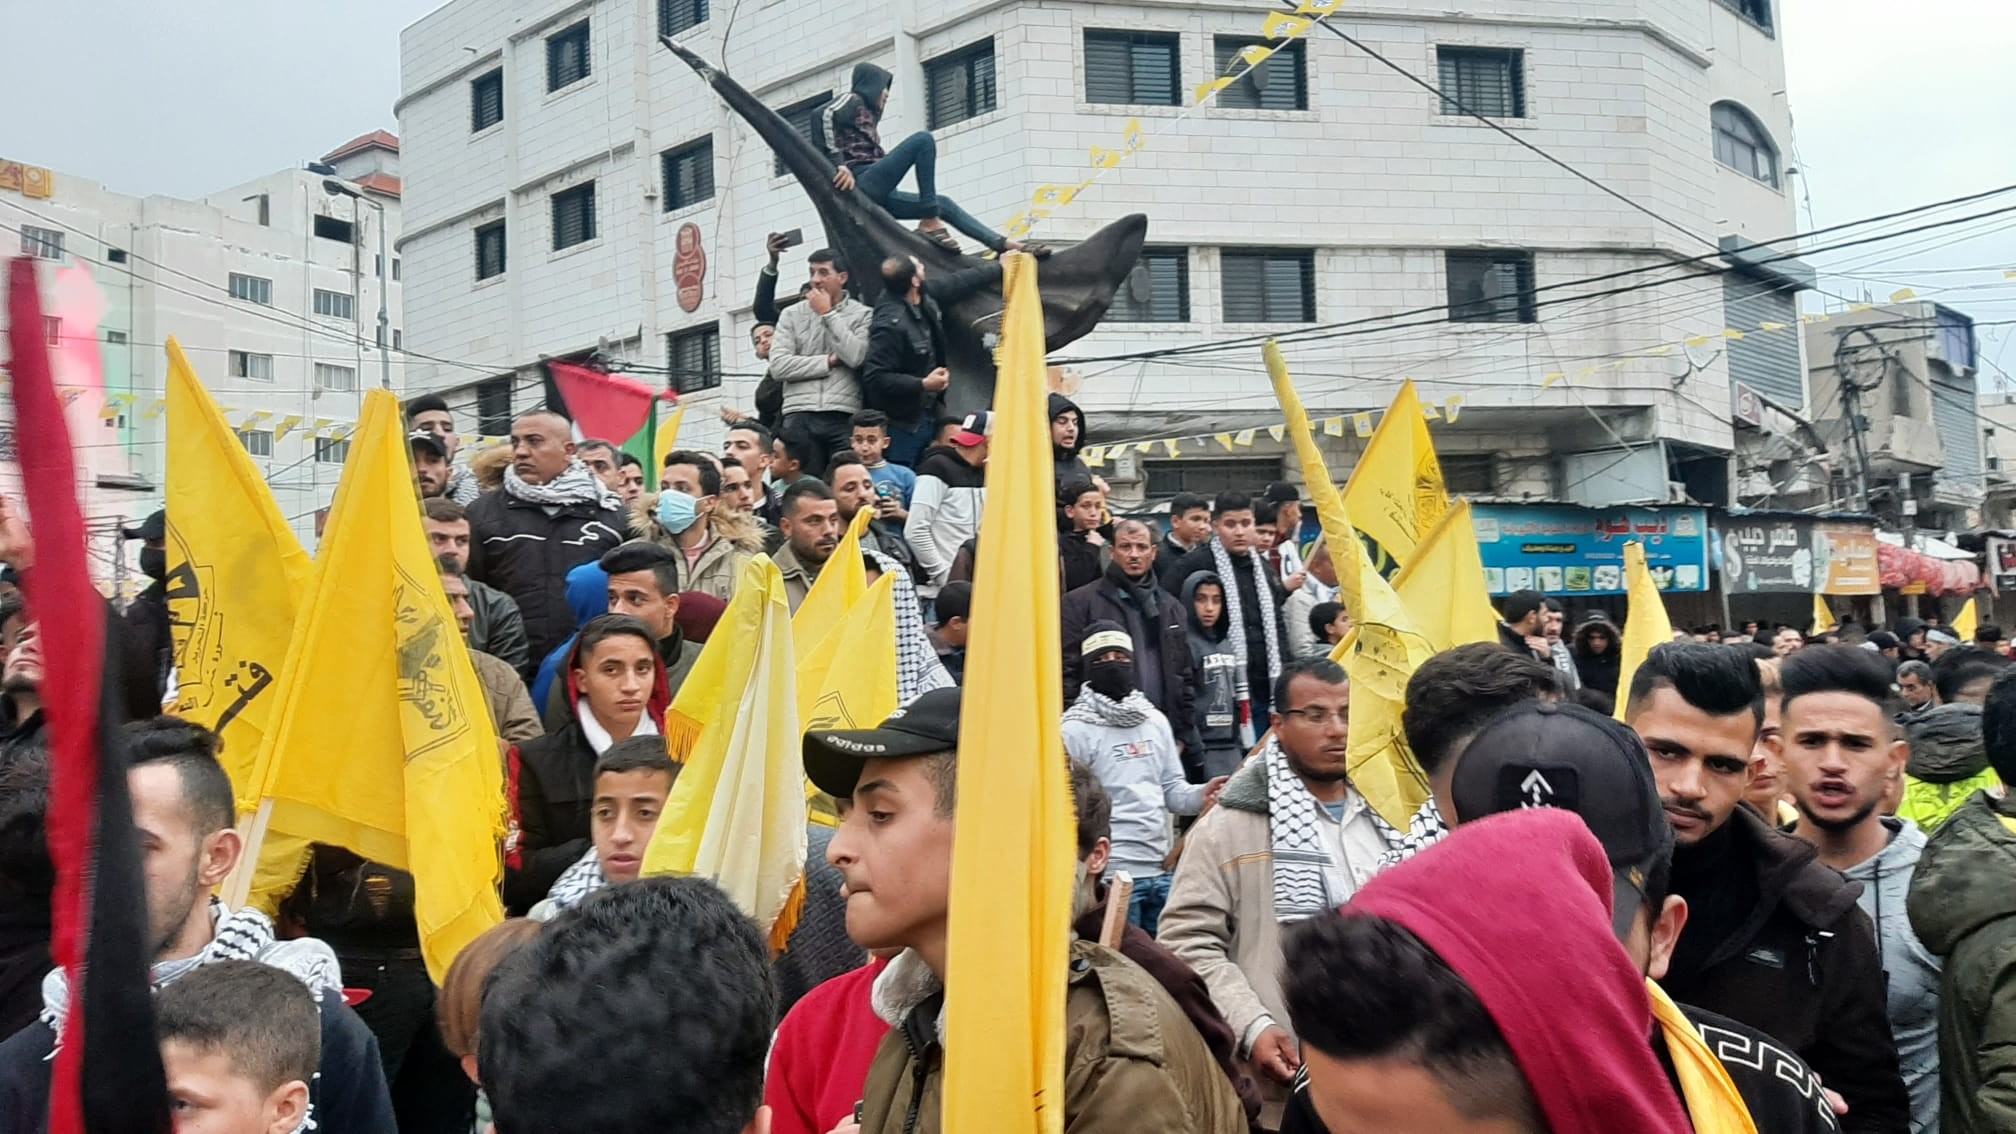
{"points": [[798, 578], [736, 541], [510, 706]]}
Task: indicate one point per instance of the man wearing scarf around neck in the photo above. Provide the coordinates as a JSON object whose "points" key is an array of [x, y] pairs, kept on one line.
{"points": [[1128, 594], [552, 515]]}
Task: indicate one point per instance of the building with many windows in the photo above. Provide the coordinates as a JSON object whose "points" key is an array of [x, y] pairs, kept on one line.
{"points": [[1548, 215], [273, 290]]}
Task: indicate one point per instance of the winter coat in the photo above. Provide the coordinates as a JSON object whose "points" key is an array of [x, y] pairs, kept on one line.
{"points": [[737, 538], [944, 514], [1910, 971], [1800, 964], [798, 578], [518, 548], [1598, 671], [1964, 910], [588, 596], [148, 636], [1140, 771], [1214, 673], [1132, 1061], [853, 119], [1948, 763], [820, 1056], [1160, 637], [511, 711], [1251, 611], [1071, 468], [499, 629], [1080, 561], [798, 357], [906, 342], [1300, 639]]}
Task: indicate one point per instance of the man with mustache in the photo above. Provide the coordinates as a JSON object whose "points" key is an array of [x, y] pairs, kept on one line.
{"points": [[1775, 939]]}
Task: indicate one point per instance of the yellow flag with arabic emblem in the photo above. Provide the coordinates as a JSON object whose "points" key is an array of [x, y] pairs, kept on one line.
{"points": [[736, 815], [1645, 622], [1009, 931], [381, 738], [235, 572], [840, 585], [1443, 588], [1382, 649], [1395, 494]]}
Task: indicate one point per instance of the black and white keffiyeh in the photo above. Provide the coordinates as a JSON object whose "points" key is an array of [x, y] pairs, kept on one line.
{"points": [[576, 883], [1235, 618], [1423, 831], [462, 486], [1096, 708], [578, 485], [1294, 824], [918, 670]]}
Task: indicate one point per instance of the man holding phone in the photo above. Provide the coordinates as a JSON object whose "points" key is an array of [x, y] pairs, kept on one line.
{"points": [[817, 355], [905, 375]]}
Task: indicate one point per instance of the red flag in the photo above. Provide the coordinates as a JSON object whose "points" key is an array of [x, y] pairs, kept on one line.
{"points": [[606, 406], [98, 914]]}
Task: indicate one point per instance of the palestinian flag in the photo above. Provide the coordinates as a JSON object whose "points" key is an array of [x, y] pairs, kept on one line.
{"points": [[99, 914], [613, 408]]}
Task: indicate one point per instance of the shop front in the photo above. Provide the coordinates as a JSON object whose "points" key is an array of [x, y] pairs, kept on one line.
{"points": [[1773, 563], [1576, 555]]}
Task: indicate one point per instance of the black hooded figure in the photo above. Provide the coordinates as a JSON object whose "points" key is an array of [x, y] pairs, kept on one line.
{"points": [[1070, 466], [853, 122]]}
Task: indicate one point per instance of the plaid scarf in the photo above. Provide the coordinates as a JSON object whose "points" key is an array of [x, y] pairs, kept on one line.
{"points": [[1294, 822], [1096, 708], [578, 485], [1235, 618]]}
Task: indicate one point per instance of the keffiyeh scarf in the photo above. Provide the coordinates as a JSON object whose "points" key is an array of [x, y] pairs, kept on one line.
{"points": [[1423, 831], [462, 486], [1301, 860], [918, 670], [577, 882], [578, 485], [1096, 708], [1235, 618]]}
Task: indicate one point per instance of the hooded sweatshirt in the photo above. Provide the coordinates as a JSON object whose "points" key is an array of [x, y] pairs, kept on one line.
{"points": [[1070, 466], [1911, 972], [1948, 763], [1517, 905], [944, 513], [854, 119], [1129, 747], [1216, 666], [1964, 910]]}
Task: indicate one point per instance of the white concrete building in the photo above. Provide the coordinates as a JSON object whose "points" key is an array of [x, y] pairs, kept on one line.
{"points": [[555, 151], [273, 290]]}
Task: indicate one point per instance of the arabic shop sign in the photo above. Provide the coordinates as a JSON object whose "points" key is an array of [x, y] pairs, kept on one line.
{"points": [[1797, 555], [1565, 550]]}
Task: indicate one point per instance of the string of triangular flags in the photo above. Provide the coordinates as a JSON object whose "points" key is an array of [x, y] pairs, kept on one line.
{"points": [[1361, 423]]}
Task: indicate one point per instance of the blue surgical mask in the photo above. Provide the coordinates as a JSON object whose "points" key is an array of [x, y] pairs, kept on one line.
{"points": [[677, 510]]}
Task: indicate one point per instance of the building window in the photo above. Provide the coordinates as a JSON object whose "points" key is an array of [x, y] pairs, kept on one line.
{"points": [[258, 442], [1132, 68], [1263, 285], [244, 364], [334, 228], [1742, 145], [675, 16], [574, 216], [1490, 81], [1156, 291], [806, 118], [1209, 476], [1490, 287], [490, 250], [689, 174], [567, 57], [1756, 11], [493, 408], [52, 329], [1470, 474], [378, 266], [486, 100], [959, 86], [395, 269], [333, 304], [252, 289], [330, 452], [1280, 82], [694, 358], [329, 376], [398, 339], [115, 255], [115, 337], [41, 243]]}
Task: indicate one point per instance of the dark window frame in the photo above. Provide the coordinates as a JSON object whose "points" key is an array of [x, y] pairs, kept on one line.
{"points": [[1304, 261], [689, 375], [1469, 97], [1742, 143], [1168, 264], [486, 100], [1132, 42], [1491, 308], [565, 198], [980, 94], [1246, 93], [255, 287], [677, 17], [562, 72], [808, 118], [493, 407], [1756, 13], [483, 235], [702, 178]]}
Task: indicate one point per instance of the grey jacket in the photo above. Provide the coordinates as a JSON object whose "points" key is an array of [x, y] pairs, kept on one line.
{"points": [[799, 357], [1912, 971]]}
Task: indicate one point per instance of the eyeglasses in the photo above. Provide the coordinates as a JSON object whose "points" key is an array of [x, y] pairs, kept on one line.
{"points": [[1317, 714]]}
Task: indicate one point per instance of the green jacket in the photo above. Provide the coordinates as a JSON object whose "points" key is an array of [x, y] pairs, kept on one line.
{"points": [[1963, 908]]}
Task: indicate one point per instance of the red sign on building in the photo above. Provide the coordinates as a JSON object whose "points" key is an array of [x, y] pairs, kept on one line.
{"points": [[689, 268]]}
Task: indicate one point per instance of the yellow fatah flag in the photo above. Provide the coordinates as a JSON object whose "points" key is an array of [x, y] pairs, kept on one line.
{"points": [[1442, 587], [235, 572], [663, 441], [736, 816], [1383, 647], [1645, 622], [849, 680], [1963, 624], [1823, 619], [1395, 493], [1008, 955], [381, 740], [1713, 1104], [840, 585]]}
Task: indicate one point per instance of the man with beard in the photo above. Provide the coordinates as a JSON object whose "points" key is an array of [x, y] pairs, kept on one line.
{"points": [[430, 463], [811, 530], [1843, 751], [1156, 622], [428, 413], [1776, 939], [1291, 838], [21, 723]]}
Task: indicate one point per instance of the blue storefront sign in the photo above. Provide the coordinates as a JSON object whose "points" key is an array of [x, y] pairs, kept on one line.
{"points": [[1561, 549]]}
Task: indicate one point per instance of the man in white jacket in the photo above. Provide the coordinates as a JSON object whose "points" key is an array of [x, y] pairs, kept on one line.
{"points": [[816, 355], [945, 508], [1113, 729]]}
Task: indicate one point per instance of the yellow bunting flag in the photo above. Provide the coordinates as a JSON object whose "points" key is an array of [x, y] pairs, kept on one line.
{"points": [[1549, 380], [1254, 54], [736, 815], [1395, 494], [1645, 622], [1095, 456], [1383, 647], [1009, 933], [1244, 438], [1770, 326], [234, 573], [1963, 624], [1361, 423], [378, 661], [1277, 432], [1903, 295], [1224, 439], [1171, 447], [1318, 8], [663, 441], [1451, 407], [1333, 426], [1206, 90], [1443, 588], [1280, 25]]}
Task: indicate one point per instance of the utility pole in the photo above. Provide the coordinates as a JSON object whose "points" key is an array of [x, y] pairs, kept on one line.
{"points": [[335, 187], [1851, 369]]}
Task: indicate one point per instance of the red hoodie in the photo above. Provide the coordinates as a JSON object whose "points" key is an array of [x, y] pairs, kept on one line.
{"points": [[1517, 905], [819, 1059]]}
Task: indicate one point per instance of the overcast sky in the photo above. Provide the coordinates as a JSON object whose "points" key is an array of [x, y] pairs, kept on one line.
{"points": [[1895, 106]]}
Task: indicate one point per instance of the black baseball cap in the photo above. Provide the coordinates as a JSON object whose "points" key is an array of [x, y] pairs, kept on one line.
{"points": [[1548, 754], [153, 527], [833, 757], [422, 437]]}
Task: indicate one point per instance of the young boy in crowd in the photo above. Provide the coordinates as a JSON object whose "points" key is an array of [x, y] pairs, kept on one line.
{"points": [[955, 603], [1329, 623], [871, 443], [1215, 662], [239, 1041], [632, 781]]}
